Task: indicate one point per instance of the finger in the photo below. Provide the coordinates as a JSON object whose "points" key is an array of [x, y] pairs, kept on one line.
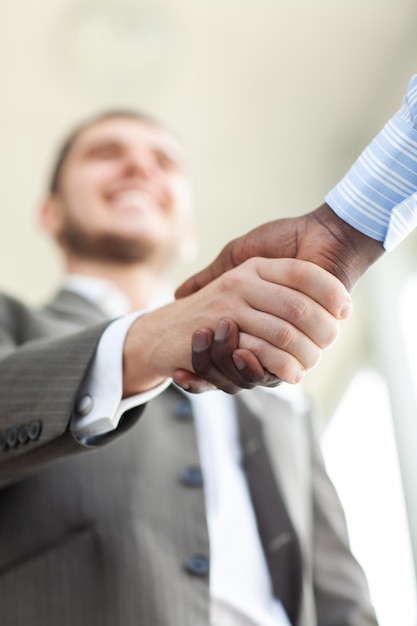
{"points": [[266, 295], [295, 315], [191, 382], [280, 362], [247, 363], [270, 304], [282, 336], [202, 341], [241, 367], [309, 279]]}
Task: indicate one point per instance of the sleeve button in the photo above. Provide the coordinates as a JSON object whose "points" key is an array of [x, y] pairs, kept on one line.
{"points": [[11, 437], [34, 430], [84, 405], [23, 433]]}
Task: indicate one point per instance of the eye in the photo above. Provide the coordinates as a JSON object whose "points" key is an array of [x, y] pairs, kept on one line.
{"points": [[105, 151], [165, 160]]}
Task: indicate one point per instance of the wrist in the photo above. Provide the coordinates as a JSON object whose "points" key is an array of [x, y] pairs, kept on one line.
{"points": [[345, 251], [139, 371]]}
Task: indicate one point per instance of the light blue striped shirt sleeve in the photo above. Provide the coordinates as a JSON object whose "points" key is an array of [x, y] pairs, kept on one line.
{"points": [[378, 196]]}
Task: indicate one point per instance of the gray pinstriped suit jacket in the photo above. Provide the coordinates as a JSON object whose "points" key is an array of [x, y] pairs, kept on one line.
{"points": [[99, 536]]}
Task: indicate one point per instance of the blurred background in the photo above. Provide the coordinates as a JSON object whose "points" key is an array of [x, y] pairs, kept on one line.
{"points": [[273, 100]]}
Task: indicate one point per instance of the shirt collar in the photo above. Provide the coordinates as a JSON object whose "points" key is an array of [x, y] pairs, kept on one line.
{"points": [[103, 293], [107, 297]]}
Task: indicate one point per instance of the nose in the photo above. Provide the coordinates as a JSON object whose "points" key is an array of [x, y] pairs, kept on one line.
{"points": [[139, 163]]}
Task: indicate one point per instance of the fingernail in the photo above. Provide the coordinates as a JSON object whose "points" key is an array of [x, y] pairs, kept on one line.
{"points": [[200, 342], [238, 361], [221, 330], [299, 376], [346, 309]]}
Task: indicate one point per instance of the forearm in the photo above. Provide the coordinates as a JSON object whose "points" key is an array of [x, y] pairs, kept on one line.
{"points": [[372, 208], [38, 384]]}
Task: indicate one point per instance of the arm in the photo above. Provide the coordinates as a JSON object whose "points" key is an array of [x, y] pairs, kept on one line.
{"points": [[39, 380], [372, 208], [320, 237], [41, 374]]}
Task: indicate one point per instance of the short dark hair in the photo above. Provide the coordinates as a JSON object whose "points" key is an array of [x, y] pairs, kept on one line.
{"points": [[72, 137]]}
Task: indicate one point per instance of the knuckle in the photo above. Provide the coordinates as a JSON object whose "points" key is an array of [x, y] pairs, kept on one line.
{"points": [[334, 298], [299, 271], [280, 364], [252, 263], [297, 310], [230, 282], [289, 369], [283, 336]]}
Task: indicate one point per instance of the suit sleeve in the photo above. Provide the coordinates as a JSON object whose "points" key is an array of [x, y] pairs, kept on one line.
{"points": [[340, 587], [41, 370]]}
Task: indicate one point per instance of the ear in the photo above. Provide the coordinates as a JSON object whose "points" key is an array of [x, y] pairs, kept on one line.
{"points": [[50, 216]]}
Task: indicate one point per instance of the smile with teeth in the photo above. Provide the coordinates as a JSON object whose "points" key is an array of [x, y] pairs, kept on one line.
{"points": [[132, 199]]}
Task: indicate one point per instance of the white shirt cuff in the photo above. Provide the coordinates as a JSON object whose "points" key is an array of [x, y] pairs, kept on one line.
{"points": [[99, 404]]}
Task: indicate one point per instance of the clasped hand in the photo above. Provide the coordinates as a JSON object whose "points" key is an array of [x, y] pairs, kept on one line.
{"points": [[281, 313]]}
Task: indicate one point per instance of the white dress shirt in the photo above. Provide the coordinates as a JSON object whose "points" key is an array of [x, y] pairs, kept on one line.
{"points": [[240, 585]]}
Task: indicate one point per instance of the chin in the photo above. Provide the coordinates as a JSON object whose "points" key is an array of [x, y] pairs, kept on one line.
{"points": [[126, 249]]}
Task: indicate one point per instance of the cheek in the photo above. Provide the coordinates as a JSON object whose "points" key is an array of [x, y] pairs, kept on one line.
{"points": [[81, 191], [89, 180]]}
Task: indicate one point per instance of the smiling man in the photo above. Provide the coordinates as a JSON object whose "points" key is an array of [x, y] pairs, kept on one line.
{"points": [[203, 510]]}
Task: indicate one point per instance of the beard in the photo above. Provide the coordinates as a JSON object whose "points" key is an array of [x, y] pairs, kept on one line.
{"points": [[108, 247]]}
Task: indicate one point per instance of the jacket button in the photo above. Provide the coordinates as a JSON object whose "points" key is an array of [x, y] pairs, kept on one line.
{"points": [[84, 405], [197, 565], [11, 437], [192, 476], [34, 430], [183, 411]]}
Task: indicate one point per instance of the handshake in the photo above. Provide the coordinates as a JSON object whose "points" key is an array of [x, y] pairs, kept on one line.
{"points": [[261, 313]]}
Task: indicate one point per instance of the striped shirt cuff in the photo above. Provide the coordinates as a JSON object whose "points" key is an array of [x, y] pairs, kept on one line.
{"points": [[378, 196]]}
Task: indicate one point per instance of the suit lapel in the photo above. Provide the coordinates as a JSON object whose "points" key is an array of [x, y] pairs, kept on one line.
{"points": [[76, 308], [279, 539]]}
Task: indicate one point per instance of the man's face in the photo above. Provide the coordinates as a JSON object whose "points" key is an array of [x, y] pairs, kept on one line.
{"points": [[123, 193]]}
